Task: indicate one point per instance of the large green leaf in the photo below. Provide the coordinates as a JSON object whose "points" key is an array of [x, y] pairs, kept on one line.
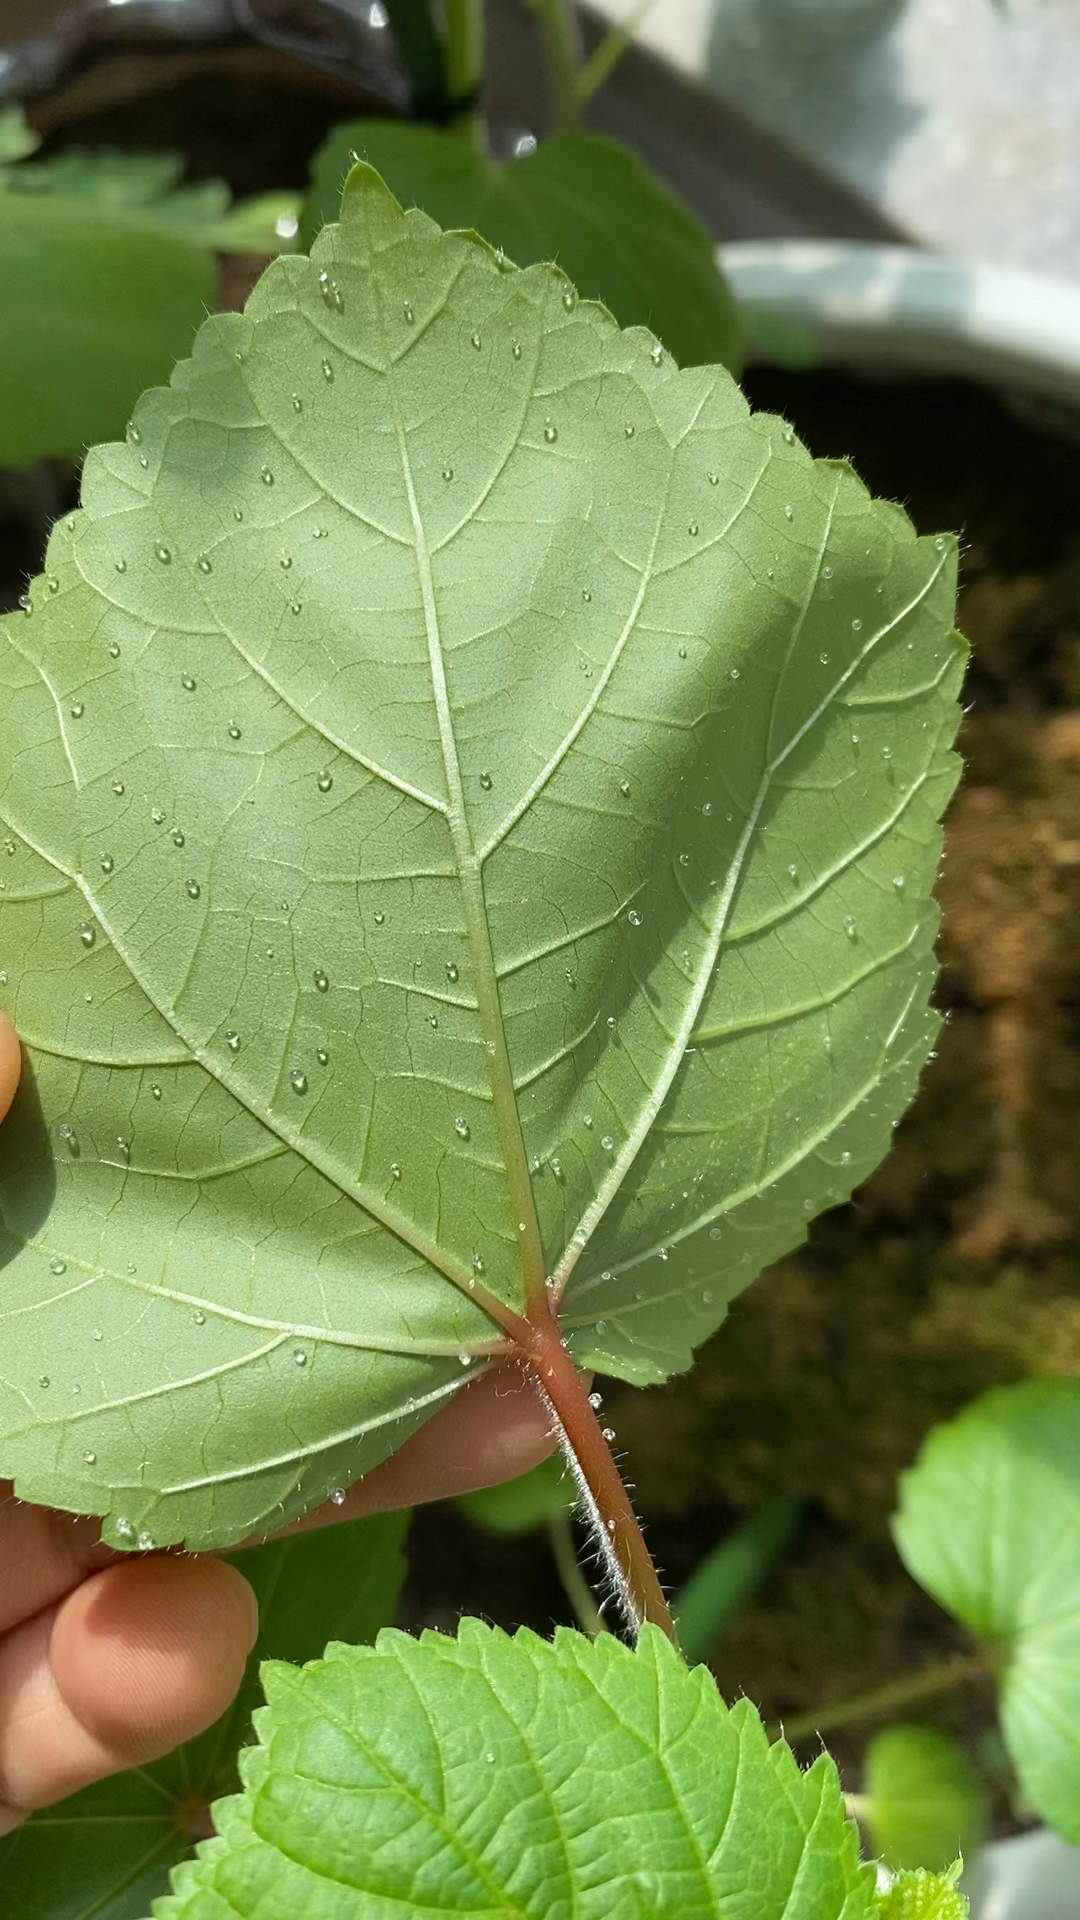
{"points": [[96, 302], [616, 230], [989, 1522], [488, 1775], [922, 1801], [107, 1852], [460, 773]]}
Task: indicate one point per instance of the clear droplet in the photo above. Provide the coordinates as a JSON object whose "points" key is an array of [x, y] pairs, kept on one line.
{"points": [[337, 1496], [849, 925], [448, 473], [324, 781], [204, 563], [322, 1057], [285, 562], [624, 789], [692, 529], [157, 815], [78, 708], [118, 787], [43, 1380], [192, 889], [793, 870], [485, 782], [87, 933], [612, 1022], [320, 533], [845, 1158], [551, 432], [826, 573], [607, 1143], [714, 479], [267, 477], [145, 1541], [899, 882], [596, 1401], [395, 1170], [297, 403], [569, 299], [90, 1457], [586, 1119], [234, 731], [328, 371], [476, 341], [176, 837], [300, 1357], [451, 970], [56, 1265], [609, 1434], [478, 1263], [461, 1127], [114, 650], [433, 1019], [187, 683], [656, 354], [124, 1527], [634, 917], [734, 673], [379, 917], [298, 1080], [107, 863], [464, 1359], [629, 429], [238, 513], [516, 350], [789, 513], [716, 1233], [886, 753], [331, 293], [321, 981], [408, 312], [162, 553], [684, 859]]}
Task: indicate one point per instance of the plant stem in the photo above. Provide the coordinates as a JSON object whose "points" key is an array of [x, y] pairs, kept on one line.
{"points": [[894, 1696], [606, 55], [574, 1584], [465, 66], [613, 1523], [560, 26]]}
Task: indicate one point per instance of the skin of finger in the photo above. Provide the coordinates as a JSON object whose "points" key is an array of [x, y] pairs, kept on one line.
{"points": [[495, 1429], [137, 1659], [10, 1063]]}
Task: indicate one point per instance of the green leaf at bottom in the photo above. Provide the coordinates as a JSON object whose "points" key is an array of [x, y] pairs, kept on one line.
{"points": [[495, 1776], [105, 1853]]}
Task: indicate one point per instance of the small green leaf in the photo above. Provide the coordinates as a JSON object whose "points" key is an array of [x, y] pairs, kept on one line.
{"points": [[489, 1775], [152, 184], [923, 1802], [96, 302], [590, 204], [522, 1505], [16, 138], [461, 774], [924, 1896], [719, 1588], [989, 1523], [107, 1852]]}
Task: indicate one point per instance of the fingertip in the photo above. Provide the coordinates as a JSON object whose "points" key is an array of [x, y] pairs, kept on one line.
{"points": [[149, 1653], [10, 1063]]}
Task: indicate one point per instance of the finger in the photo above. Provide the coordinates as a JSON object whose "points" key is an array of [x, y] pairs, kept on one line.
{"points": [[10, 1063], [493, 1430], [42, 1556], [139, 1658]]}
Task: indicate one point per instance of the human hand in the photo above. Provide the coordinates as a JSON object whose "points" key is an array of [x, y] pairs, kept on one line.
{"points": [[109, 1660]]}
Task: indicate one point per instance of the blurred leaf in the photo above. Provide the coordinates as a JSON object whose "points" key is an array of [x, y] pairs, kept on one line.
{"points": [[16, 138], [719, 1588], [96, 304], [522, 1505], [106, 1852], [589, 204], [151, 182], [923, 1801], [989, 1523]]}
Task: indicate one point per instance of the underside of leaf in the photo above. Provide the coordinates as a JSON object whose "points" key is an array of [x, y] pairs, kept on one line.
{"points": [[468, 815]]}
